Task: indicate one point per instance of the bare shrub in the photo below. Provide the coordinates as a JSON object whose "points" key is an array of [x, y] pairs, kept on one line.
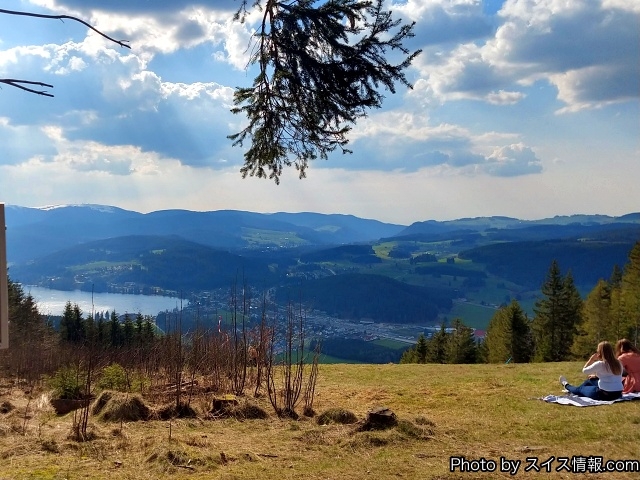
{"points": [[285, 379]]}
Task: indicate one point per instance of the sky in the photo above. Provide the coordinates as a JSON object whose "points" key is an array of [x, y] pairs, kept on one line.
{"points": [[520, 108]]}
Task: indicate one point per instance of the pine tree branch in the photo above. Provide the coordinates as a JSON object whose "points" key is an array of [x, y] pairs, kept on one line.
{"points": [[321, 67]]}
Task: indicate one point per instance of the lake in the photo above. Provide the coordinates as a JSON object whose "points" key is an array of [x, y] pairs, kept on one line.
{"points": [[52, 302]]}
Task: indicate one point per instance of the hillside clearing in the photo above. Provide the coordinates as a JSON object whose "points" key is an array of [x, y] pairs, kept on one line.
{"points": [[476, 411]]}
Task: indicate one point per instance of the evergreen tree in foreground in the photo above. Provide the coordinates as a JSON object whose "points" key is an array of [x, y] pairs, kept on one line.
{"points": [[557, 316], [509, 336], [437, 346], [630, 296], [33, 339], [461, 345], [597, 321], [417, 353]]}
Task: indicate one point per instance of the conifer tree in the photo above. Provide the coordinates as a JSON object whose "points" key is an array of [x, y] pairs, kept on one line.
{"points": [[461, 344], [546, 320], [101, 331], [115, 331], [557, 316], [32, 338], [409, 356], [148, 330], [78, 324], [437, 346], [615, 308], [66, 322], [139, 328], [72, 324], [630, 295], [509, 336], [571, 317], [90, 330], [421, 349], [417, 353], [616, 276], [597, 320], [128, 330]]}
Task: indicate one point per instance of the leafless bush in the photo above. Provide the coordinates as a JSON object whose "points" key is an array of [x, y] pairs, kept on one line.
{"points": [[289, 372]]}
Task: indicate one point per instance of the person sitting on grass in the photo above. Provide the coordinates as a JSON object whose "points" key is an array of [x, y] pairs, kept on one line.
{"points": [[605, 376], [629, 356]]}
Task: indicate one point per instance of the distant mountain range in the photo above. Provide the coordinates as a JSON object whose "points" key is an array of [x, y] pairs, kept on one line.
{"points": [[346, 266], [35, 232]]}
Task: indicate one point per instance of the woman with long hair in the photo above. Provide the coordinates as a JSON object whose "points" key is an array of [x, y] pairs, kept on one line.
{"points": [[629, 356], [605, 376]]}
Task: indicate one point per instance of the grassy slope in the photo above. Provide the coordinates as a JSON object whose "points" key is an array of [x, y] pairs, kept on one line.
{"points": [[478, 411]]}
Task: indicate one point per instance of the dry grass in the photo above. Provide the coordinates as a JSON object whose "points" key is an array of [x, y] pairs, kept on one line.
{"points": [[477, 411]]}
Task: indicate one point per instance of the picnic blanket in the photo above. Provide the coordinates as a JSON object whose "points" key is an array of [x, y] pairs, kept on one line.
{"points": [[577, 401]]}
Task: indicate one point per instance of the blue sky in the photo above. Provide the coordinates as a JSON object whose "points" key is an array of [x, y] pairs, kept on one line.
{"points": [[523, 108]]}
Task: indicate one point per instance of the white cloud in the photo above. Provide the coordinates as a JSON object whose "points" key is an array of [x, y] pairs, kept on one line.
{"points": [[146, 128], [445, 21], [512, 160], [408, 142], [589, 51], [162, 28], [464, 73], [502, 97], [20, 142], [90, 156]]}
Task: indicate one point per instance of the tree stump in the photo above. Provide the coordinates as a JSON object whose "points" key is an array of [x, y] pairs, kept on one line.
{"points": [[380, 418], [224, 403], [62, 406]]}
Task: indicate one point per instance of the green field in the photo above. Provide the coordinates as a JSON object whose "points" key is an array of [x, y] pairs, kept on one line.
{"points": [[391, 344], [258, 237], [472, 315]]}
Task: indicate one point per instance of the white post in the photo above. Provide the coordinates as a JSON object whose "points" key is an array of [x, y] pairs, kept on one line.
{"points": [[4, 284]]}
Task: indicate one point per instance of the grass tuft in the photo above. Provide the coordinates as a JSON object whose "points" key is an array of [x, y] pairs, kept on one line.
{"points": [[337, 415], [242, 411], [411, 430], [50, 445], [116, 407]]}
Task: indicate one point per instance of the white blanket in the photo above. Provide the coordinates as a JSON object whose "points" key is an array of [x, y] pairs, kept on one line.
{"points": [[575, 400]]}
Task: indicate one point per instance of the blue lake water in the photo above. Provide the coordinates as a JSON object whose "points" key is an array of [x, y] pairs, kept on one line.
{"points": [[52, 302]]}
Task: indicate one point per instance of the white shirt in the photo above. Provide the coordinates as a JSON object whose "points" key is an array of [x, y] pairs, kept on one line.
{"points": [[606, 380]]}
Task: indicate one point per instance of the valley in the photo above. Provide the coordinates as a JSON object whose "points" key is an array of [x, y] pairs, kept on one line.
{"points": [[356, 279]]}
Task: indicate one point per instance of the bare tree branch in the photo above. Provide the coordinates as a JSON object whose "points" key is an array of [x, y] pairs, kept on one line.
{"points": [[21, 83], [17, 83], [122, 43]]}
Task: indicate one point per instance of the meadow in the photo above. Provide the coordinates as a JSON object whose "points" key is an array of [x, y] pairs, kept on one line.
{"points": [[483, 413]]}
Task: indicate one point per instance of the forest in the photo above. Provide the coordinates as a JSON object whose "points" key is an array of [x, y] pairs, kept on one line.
{"points": [[564, 326]]}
